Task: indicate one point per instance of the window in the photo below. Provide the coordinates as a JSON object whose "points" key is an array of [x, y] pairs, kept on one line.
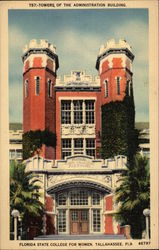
{"points": [[78, 112], [96, 220], [95, 199], [12, 154], [62, 199], [129, 87], [19, 153], [66, 148], [84, 215], [106, 88], [78, 146], [62, 221], [75, 215], [79, 197], [66, 112], [118, 85], [89, 112], [90, 147], [49, 88], [26, 88], [37, 85]]}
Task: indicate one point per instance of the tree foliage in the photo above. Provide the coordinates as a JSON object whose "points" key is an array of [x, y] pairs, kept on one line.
{"points": [[133, 195], [119, 136], [33, 140], [24, 195]]}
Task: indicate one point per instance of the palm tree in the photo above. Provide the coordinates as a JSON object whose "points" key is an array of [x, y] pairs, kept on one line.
{"points": [[133, 195], [24, 195]]}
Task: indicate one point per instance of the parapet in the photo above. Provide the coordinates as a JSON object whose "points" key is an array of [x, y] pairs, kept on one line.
{"points": [[113, 48], [111, 44], [42, 48], [77, 79], [44, 44]]}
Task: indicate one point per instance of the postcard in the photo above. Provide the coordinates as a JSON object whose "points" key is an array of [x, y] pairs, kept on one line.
{"points": [[79, 125]]}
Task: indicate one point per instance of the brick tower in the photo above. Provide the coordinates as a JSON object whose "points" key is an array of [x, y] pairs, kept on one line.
{"points": [[114, 64], [39, 74]]}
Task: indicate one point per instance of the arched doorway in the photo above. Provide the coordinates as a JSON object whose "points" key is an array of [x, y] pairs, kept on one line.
{"points": [[79, 207]]}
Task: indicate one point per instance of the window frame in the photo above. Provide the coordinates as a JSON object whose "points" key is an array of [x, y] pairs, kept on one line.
{"points": [[49, 86], [106, 88], [66, 112], [62, 220], [66, 150], [90, 148], [26, 92], [78, 111], [78, 146], [96, 218], [90, 111], [37, 85], [118, 85]]}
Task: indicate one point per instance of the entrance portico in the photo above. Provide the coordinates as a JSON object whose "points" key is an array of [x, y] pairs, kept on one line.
{"points": [[78, 193], [79, 206]]}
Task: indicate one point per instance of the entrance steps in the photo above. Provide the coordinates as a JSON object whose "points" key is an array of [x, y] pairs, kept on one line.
{"points": [[82, 237]]}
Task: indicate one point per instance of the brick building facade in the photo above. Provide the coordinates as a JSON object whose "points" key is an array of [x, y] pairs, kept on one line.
{"points": [[77, 185]]}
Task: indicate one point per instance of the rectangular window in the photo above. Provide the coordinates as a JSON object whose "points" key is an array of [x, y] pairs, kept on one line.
{"points": [[37, 85], [96, 220], [66, 112], [75, 215], [78, 111], [79, 197], [106, 88], [78, 146], [19, 153], [66, 148], [12, 154], [26, 88], [118, 85], [62, 221], [49, 88], [90, 147], [89, 112]]}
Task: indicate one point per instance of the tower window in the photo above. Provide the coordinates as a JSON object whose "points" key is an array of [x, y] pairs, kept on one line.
{"points": [[129, 85], [78, 112], [106, 88], [26, 88], [118, 85], [66, 112], [37, 85], [66, 148], [89, 112], [90, 147], [49, 88]]}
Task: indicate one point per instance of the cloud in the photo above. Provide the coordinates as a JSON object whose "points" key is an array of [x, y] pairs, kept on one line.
{"points": [[136, 34], [17, 38], [78, 49]]}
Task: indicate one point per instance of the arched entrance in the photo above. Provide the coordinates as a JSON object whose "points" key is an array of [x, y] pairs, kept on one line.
{"points": [[79, 207]]}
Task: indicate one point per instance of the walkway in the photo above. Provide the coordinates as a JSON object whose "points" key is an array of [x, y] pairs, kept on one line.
{"points": [[81, 237]]}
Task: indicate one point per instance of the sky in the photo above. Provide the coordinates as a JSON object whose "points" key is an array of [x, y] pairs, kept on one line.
{"points": [[77, 36]]}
